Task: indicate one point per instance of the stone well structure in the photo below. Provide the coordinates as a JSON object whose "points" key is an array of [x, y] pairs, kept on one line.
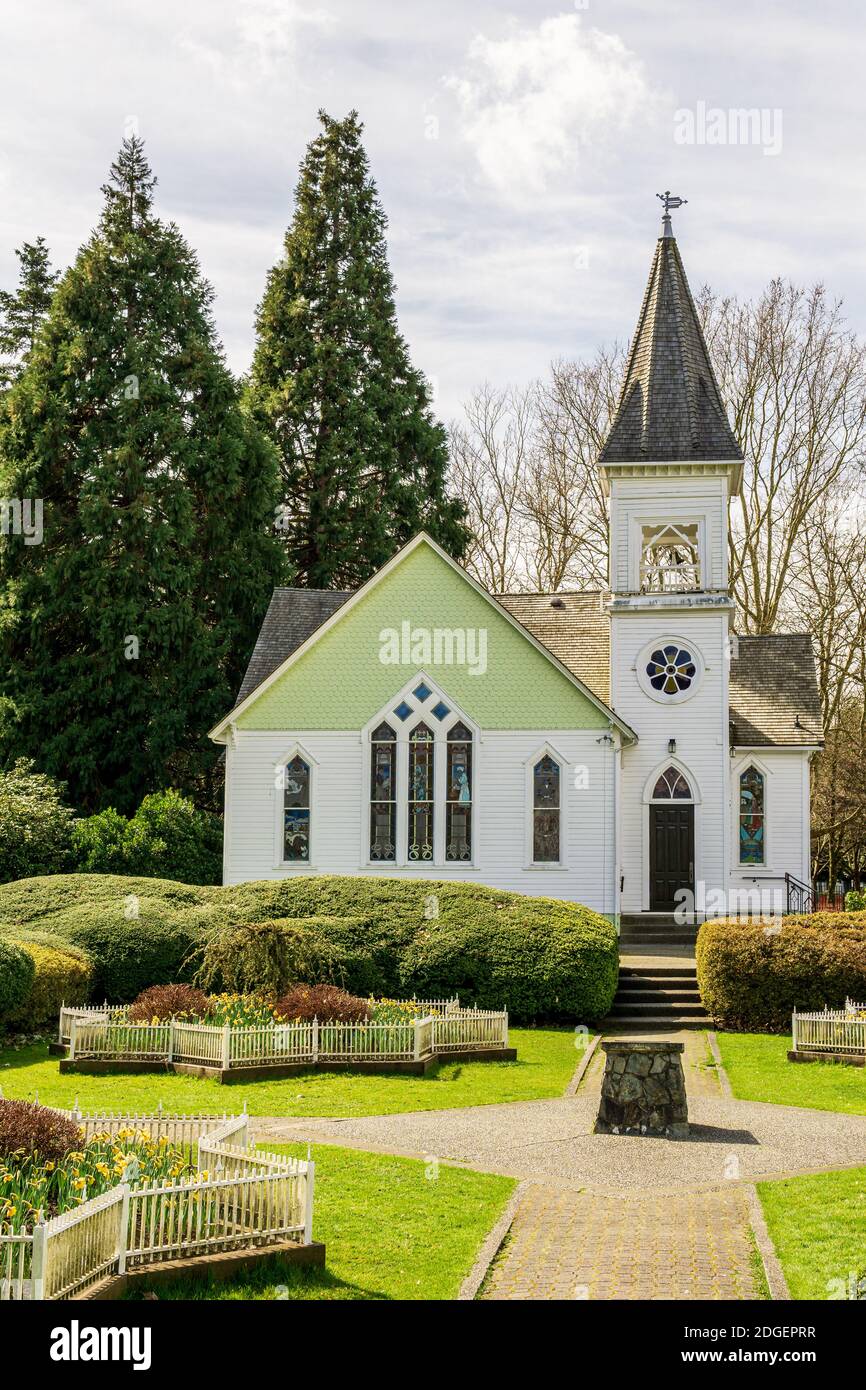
{"points": [[643, 1090]]}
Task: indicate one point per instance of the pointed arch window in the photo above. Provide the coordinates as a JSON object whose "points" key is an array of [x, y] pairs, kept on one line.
{"points": [[752, 816], [296, 812], [420, 794], [383, 794], [672, 786], [546, 811], [458, 795]]}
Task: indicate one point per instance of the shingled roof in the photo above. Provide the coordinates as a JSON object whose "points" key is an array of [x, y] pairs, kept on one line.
{"points": [[293, 615], [774, 698], [670, 408]]}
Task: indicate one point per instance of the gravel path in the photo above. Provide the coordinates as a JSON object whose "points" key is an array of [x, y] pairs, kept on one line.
{"points": [[550, 1141]]}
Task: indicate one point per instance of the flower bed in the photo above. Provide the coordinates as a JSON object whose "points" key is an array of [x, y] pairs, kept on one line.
{"points": [[407, 1033], [152, 1204]]}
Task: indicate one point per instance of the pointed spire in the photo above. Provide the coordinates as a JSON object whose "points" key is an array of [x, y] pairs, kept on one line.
{"points": [[670, 408]]}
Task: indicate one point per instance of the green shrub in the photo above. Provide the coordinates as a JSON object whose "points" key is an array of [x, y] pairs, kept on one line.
{"points": [[382, 936], [62, 974], [35, 826], [564, 968], [269, 957], [167, 838], [752, 975], [16, 978], [855, 901]]}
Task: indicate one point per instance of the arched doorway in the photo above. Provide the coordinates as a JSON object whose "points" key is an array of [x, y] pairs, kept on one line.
{"points": [[671, 839]]}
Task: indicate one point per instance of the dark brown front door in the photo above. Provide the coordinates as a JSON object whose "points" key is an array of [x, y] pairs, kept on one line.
{"points": [[672, 854]]}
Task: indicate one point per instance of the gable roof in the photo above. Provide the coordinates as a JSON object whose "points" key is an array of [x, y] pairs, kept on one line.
{"points": [[772, 681], [670, 408], [318, 610]]}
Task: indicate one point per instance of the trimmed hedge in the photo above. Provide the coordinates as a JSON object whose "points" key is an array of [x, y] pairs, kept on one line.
{"points": [[16, 977], [752, 976], [62, 974], [539, 957]]}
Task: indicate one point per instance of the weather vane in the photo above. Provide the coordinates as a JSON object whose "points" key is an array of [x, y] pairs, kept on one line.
{"points": [[668, 201]]}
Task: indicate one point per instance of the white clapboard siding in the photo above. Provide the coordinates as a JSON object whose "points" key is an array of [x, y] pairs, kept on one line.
{"points": [[500, 813]]}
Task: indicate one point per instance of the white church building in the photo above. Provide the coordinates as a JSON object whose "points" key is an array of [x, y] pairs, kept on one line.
{"points": [[624, 749]]}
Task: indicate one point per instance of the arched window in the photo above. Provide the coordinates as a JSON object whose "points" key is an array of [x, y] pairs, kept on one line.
{"points": [[752, 815], [458, 803], [546, 811], [296, 812], [672, 786], [383, 794], [420, 794]]}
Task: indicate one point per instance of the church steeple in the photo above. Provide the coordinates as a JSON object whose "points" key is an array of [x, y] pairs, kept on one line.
{"points": [[670, 408]]}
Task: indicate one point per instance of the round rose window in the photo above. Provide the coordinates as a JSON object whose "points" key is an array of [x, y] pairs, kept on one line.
{"points": [[671, 669]]}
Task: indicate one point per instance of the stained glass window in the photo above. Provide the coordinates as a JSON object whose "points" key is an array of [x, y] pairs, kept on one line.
{"points": [[296, 812], [545, 811], [752, 847], [458, 804], [422, 692], [383, 793], [441, 710], [672, 786], [403, 710], [420, 793], [671, 669]]}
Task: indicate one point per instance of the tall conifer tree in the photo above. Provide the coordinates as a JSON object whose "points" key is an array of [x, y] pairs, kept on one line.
{"points": [[363, 460], [123, 635], [23, 310]]}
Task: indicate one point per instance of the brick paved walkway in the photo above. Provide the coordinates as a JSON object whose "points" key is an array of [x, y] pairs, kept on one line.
{"points": [[566, 1245], [569, 1245]]}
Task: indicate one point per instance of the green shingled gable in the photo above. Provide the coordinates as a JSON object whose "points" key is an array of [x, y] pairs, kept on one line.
{"points": [[340, 682]]}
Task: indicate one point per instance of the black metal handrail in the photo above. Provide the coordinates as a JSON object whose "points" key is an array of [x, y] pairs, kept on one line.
{"points": [[800, 896]]}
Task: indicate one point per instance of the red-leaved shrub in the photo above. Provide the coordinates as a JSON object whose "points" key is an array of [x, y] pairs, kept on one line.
{"points": [[35, 1129], [168, 1001], [324, 1002]]}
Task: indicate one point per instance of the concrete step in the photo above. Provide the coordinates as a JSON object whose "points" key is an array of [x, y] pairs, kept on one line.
{"points": [[657, 1009], [657, 972], [645, 941], [657, 996], [646, 1023]]}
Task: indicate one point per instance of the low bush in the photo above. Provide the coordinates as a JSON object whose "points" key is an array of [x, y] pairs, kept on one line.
{"points": [[855, 901], [35, 826], [270, 956], [16, 978], [168, 837], [327, 1003], [752, 976], [131, 953], [36, 1130], [539, 957], [61, 975], [168, 1001]]}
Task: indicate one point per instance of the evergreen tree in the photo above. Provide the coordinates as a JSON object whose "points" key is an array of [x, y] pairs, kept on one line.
{"points": [[23, 310], [363, 460], [123, 635]]}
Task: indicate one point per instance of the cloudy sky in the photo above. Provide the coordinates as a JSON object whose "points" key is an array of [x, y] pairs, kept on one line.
{"points": [[518, 148]]}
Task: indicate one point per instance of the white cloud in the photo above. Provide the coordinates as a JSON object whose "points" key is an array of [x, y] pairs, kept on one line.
{"points": [[256, 40], [536, 101]]}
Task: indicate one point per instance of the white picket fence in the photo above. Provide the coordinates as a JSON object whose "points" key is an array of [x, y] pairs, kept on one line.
{"points": [[832, 1030], [242, 1198], [303, 1043]]}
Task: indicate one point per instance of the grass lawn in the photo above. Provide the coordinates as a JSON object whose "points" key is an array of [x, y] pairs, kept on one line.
{"points": [[546, 1058], [759, 1069], [818, 1226], [394, 1229]]}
